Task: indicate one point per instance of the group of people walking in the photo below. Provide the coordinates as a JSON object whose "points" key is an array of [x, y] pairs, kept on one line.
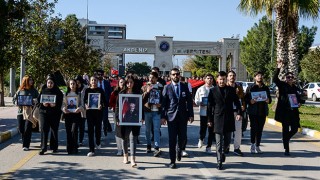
{"points": [[221, 102]]}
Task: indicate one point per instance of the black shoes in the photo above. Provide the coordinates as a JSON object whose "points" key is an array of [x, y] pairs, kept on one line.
{"points": [[179, 156], [238, 152], [172, 165], [287, 153], [219, 166], [227, 150], [223, 159], [148, 149], [42, 152]]}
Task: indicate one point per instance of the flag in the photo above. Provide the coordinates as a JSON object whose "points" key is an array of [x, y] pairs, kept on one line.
{"points": [[114, 72]]}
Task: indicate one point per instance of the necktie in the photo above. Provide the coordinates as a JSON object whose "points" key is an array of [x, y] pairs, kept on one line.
{"points": [[101, 85], [177, 90]]}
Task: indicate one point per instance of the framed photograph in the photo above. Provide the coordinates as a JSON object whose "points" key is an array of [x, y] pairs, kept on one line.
{"points": [[154, 96], [94, 100], [45, 98], [131, 112], [72, 103], [259, 96], [293, 100], [24, 100], [204, 101]]}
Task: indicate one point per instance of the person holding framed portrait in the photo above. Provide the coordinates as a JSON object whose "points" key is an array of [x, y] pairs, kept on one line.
{"points": [[72, 109], [94, 103], [257, 109], [129, 133], [151, 100], [81, 88], [287, 110], [27, 91], [50, 114]]}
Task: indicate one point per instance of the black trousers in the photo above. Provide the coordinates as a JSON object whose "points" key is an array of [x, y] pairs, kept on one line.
{"points": [[94, 120], [71, 124], [25, 130], [289, 127], [106, 123], [203, 130], [222, 142], [49, 122], [256, 124], [177, 129], [81, 125]]}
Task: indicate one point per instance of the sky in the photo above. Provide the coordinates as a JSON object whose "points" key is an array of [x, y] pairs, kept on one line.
{"points": [[187, 20]]}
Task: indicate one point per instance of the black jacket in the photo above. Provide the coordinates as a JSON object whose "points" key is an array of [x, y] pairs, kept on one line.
{"points": [[220, 109], [259, 108]]}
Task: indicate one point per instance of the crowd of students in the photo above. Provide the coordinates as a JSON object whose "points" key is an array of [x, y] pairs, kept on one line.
{"points": [[222, 105]]}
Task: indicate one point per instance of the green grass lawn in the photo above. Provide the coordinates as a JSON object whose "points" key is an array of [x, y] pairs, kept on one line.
{"points": [[309, 116]]}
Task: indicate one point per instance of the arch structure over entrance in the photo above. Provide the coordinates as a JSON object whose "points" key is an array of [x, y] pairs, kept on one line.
{"points": [[164, 48]]}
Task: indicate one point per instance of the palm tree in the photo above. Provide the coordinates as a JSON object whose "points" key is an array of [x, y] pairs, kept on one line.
{"points": [[287, 21]]}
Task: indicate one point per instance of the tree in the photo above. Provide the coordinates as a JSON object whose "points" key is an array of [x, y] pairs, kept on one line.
{"points": [[310, 66], [200, 65], [255, 48], [140, 69]]}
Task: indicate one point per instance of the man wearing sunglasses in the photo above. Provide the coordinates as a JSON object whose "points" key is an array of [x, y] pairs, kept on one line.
{"points": [[177, 109], [287, 111]]}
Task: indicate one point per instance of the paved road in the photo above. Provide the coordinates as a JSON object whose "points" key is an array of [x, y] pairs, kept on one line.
{"points": [[304, 162]]}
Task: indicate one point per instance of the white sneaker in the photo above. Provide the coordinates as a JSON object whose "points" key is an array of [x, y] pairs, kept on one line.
{"points": [[200, 143], [208, 150], [185, 154], [119, 153], [98, 147], [253, 149], [90, 154], [25, 149], [258, 150]]}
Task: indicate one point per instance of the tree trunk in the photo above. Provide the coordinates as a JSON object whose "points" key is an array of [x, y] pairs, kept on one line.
{"points": [[2, 89], [293, 47], [282, 9]]}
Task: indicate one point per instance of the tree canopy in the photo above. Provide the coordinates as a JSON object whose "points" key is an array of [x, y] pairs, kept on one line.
{"points": [[140, 69], [310, 66]]}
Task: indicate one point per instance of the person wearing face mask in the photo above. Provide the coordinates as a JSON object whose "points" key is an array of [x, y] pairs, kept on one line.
{"points": [[72, 115], [258, 111], [50, 114], [287, 113]]}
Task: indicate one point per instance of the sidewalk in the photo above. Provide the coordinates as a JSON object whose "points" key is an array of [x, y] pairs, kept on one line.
{"points": [[8, 120]]}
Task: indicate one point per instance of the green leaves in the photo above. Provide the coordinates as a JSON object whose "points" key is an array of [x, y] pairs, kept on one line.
{"points": [[310, 65], [200, 65], [141, 69]]}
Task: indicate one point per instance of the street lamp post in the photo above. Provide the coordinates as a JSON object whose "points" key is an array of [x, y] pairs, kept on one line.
{"points": [[272, 44]]}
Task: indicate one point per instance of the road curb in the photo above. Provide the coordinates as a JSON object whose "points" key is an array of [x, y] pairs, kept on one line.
{"points": [[304, 131], [4, 136]]}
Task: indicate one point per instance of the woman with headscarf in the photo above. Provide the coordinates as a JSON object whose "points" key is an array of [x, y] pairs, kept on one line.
{"points": [[24, 124], [50, 113]]}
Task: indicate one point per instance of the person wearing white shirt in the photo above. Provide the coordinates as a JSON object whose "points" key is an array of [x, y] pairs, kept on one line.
{"points": [[201, 100]]}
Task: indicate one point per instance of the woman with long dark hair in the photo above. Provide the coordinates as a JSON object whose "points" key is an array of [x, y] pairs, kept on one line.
{"points": [[81, 88], [24, 124], [112, 104], [72, 108], [129, 134], [94, 116], [50, 114]]}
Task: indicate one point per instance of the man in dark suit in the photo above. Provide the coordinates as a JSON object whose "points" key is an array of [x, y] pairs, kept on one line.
{"points": [[177, 109], [106, 87], [221, 114]]}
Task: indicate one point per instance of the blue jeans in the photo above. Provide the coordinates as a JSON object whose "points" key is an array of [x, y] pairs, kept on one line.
{"points": [[153, 118]]}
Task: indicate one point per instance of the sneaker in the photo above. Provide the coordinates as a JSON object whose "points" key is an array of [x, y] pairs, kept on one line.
{"points": [[156, 152], [253, 149], [148, 149], [258, 150], [119, 153], [98, 146], [185, 154], [238, 152], [200, 143], [208, 150], [90, 154], [25, 149]]}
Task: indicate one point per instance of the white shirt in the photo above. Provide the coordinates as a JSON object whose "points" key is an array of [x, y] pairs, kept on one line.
{"points": [[203, 91]]}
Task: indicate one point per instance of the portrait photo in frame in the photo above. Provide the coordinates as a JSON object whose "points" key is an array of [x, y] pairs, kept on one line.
{"points": [[259, 96], [154, 96], [72, 103], [24, 100], [293, 100], [93, 100], [45, 98], [130, 111]]}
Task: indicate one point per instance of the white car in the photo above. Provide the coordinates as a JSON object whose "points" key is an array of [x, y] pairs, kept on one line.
{"points": [[313, 89], [245, 85]]}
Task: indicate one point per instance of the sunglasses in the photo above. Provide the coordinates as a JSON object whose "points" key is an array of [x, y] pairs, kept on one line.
{"points": [[289, 77], [175, 74]]}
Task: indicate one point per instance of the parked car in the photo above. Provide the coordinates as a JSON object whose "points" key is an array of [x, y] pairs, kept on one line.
{"points": [[313, 90], [245, 84]]}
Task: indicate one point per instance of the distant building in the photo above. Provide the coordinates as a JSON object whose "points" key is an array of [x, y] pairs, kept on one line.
{"points": [[98, 33], [315, 46]]}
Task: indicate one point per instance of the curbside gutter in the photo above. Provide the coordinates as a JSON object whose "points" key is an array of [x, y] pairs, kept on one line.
{"points": [[4, 136], [304, 131]]}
